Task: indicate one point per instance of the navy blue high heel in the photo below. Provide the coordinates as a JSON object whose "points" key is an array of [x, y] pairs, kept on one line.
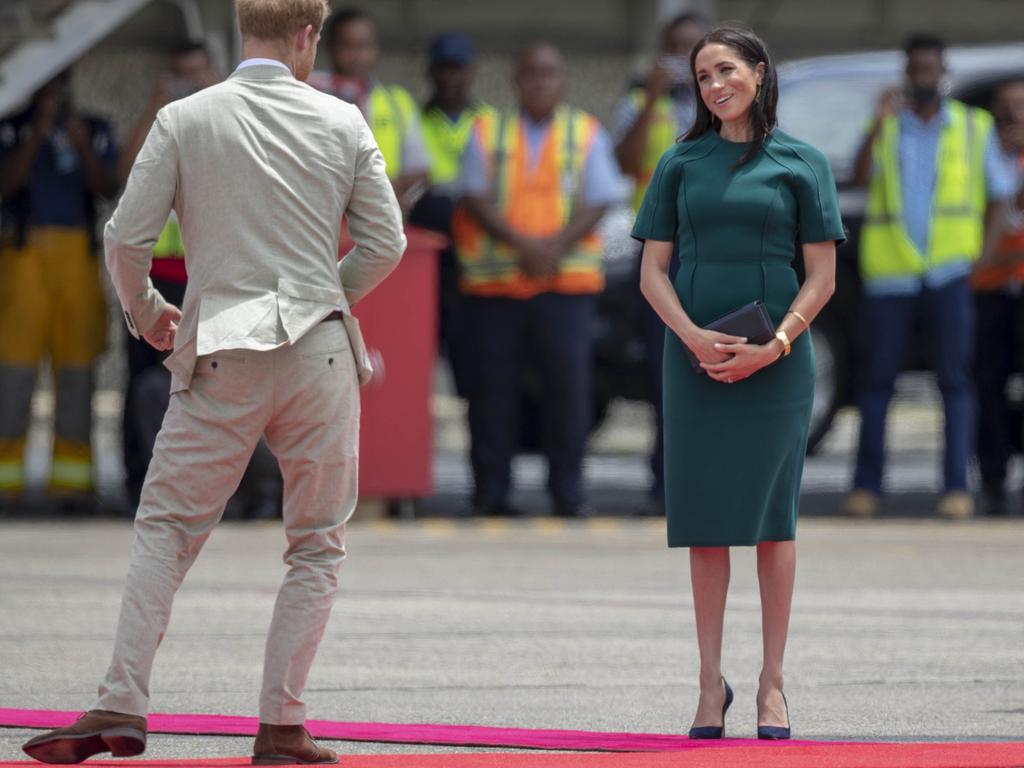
{"points": [[775, 732], [714, 731]]}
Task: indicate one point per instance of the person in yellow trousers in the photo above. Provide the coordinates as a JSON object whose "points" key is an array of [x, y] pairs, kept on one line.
{"points": [[653, 114], [534, 183], [55, 163], [447, 120], [353, 47]]}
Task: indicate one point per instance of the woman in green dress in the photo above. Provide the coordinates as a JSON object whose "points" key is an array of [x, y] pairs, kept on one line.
{"points": [[740, 200]]}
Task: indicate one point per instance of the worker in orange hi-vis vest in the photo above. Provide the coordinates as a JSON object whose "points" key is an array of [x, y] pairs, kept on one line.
{"points": [[54, 164], [534, 184], [998, 282]]}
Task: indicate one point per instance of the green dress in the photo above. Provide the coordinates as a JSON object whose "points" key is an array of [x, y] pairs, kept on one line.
{"points": [[734, 453]]}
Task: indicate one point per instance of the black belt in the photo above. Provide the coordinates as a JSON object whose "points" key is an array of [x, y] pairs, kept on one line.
{"points": [[335, 315]]}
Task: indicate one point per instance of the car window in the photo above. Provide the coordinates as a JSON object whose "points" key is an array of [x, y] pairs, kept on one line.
{"points": [[831, 114]]}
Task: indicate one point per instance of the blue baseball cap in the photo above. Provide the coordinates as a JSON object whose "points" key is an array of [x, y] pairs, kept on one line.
{"points": [[452, 48]]}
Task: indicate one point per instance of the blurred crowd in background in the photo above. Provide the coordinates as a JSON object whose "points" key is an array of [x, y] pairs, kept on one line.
{"points": [[523, 288]]}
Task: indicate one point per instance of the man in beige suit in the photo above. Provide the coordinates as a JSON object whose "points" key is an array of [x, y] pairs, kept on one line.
{"points": [[260, 170]]}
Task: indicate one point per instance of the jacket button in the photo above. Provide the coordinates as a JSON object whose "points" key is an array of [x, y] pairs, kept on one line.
{"points": [[213, 364]]}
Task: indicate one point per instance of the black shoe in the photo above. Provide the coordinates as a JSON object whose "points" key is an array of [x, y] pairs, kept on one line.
{"points": [[578, 511], [651, 508], [496, 509], [714, 731], [996, 504]]}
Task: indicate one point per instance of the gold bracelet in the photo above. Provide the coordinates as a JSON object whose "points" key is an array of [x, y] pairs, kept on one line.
{"points": [[802, 318], [786, 346]]}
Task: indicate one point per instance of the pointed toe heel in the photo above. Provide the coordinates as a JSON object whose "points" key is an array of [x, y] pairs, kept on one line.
{"points": [[775, 732], [714, 731]]}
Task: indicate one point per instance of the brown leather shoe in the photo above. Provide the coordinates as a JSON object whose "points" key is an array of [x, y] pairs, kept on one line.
{"points": [[94, 732], [289, 745]]}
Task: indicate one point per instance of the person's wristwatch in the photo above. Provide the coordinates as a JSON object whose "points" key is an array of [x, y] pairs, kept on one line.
{"points": [[786, 346]]}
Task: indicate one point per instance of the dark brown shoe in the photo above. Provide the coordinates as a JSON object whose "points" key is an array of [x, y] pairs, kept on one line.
{"points": [[289, 745], [94, 732]]}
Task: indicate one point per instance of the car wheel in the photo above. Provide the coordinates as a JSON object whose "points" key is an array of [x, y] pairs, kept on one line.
{"points": [[828, 382]]}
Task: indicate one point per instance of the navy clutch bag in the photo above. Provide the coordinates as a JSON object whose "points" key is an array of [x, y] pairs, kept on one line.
{"points": [[751, 321]]}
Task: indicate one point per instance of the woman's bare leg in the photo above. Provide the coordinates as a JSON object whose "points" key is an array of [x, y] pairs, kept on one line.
{"points": [[776, 572], [709, 578]]}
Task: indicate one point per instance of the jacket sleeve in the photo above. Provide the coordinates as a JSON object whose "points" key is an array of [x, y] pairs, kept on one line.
{"points": [[134, 227], [374, 222]]}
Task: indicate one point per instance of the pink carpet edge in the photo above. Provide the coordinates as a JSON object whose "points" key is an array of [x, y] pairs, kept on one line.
{"points": [[405, 733]]}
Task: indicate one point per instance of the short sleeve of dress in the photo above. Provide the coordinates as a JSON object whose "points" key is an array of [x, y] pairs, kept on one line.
{"points": [[817, 199], [657, 218]]}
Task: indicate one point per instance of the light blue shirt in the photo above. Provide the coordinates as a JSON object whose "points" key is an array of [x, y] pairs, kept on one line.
{"points": [[626, 113], [601, 183], [918, 150]]}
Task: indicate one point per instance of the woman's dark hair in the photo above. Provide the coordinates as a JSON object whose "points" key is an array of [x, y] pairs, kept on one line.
{"points": [[763, 111]]}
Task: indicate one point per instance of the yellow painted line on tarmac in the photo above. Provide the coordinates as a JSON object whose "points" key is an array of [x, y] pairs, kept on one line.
{"points": [[604, 525], [547, 526], [383, 526], [439, 527], [494, 527]]}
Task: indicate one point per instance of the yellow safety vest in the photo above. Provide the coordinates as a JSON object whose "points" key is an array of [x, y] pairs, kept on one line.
{"points": [[661, 135], [391, 112], [958, 209], [536, 200], [169, 245], [446, 140]]}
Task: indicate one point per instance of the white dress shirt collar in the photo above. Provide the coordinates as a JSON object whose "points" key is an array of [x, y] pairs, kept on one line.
{"points": [[262, 63]]}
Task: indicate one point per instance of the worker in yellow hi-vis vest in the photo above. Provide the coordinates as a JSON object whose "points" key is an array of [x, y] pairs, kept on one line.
{"points": [[54, 165], [447, 119], [535, 183], [654, 113], [352, 43], [935, 182]]}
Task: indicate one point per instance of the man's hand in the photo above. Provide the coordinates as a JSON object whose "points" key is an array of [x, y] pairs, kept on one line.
{"points": [[658, 82], [890, 101], [161, 335], [538, 258]]}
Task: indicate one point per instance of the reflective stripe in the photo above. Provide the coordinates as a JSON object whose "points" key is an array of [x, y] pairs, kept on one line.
{"points": [[12, 475], [71, 473]]}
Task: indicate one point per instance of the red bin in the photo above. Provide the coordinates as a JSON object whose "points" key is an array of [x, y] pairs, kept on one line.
{"points": [[399, 322]]}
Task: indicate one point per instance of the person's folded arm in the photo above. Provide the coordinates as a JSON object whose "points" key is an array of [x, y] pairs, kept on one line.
{"points": [[374, 222], [134, 227]]}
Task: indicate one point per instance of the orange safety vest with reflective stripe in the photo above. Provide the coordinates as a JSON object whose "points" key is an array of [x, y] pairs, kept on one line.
{"points": [[536, 200]]}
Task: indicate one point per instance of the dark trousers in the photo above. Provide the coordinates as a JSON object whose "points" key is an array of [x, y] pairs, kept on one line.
{"points": [[556, 331], [998, 345], [434, 212], [948, 315], [652, 331], [145, 399]]}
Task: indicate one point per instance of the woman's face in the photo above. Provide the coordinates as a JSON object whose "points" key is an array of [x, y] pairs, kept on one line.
{"points": [[728, 85]]}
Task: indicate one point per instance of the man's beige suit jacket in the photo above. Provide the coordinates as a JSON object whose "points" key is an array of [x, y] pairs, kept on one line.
{"points": [[260, 170]]}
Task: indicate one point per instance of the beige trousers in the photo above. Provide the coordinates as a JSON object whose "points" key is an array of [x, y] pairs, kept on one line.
{"points": [[305, 399]]}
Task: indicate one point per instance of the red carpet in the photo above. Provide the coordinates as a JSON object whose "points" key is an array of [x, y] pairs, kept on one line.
{"points": [[822, 756], [393, 733], [648, 750]]}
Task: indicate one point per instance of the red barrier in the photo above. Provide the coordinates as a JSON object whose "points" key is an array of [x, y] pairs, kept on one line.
{"points": [[399, 321]]}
